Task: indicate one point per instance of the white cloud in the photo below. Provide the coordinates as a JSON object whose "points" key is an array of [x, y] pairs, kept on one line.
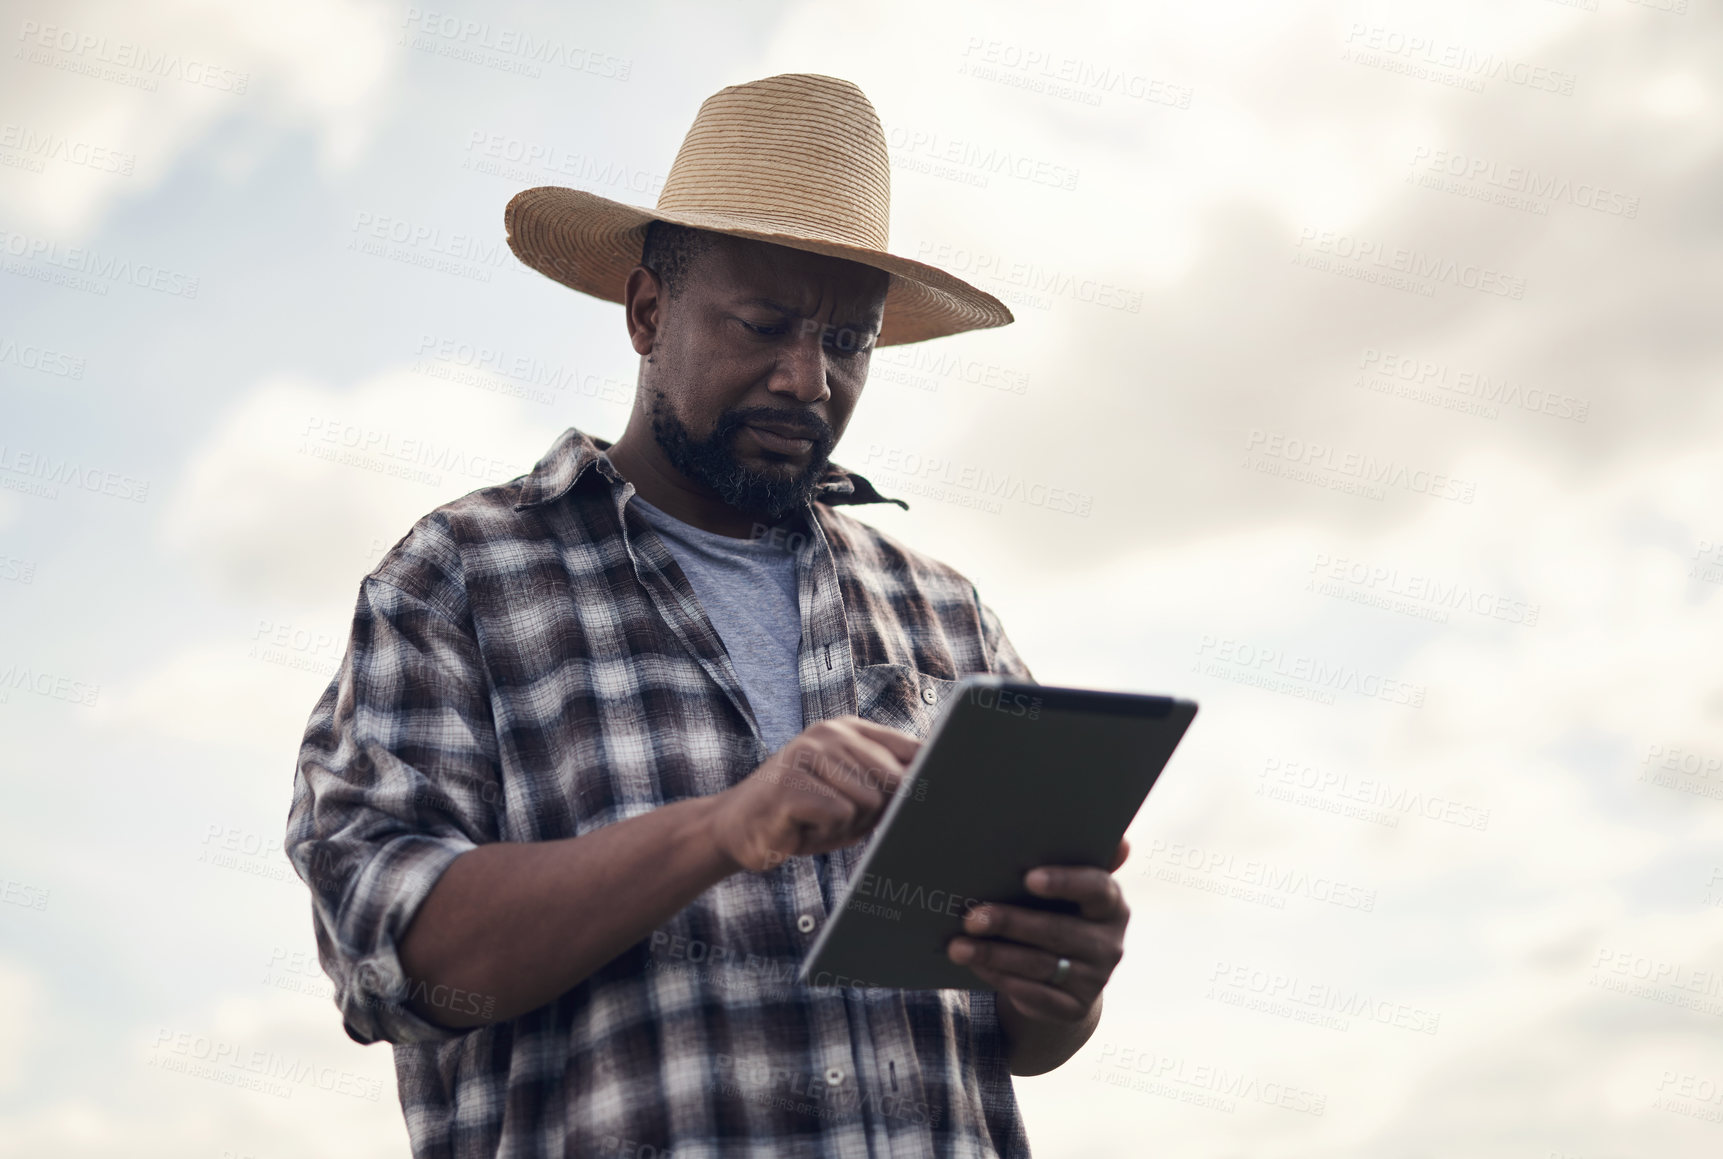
{"points": [[176, 1090], [301, 486], [293, 497], [110, 97]]}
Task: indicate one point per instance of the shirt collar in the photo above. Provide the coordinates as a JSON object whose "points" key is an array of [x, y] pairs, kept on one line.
{"points": [[575, 452]]}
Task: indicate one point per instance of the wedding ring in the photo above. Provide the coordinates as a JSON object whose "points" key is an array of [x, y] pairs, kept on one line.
{"points": [[1061, 972]]}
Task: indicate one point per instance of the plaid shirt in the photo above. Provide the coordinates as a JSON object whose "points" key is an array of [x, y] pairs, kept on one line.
{"points": [[529, 663]]}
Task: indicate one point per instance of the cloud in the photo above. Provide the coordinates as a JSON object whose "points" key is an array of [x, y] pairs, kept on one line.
{"points": [[104, 99], [19, 1031], [299, 1087], [295, 495], [300, 487]]}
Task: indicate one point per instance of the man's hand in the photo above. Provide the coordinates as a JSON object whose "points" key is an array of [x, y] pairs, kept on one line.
{"points": [[823, 790], [1017, 950]]}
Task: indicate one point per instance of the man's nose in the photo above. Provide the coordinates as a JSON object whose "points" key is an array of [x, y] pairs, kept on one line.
{"points": [[802, 367]]}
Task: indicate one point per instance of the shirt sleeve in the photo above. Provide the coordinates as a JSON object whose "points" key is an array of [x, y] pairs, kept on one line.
{"points": [[397, 777], [1002, 657]]}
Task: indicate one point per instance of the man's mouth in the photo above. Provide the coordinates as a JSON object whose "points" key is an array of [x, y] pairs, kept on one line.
{"points": [[781, 438]]}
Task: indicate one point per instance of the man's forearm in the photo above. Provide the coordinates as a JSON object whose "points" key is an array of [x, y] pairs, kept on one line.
{"points": [[1035, 1046], [518, 924]]}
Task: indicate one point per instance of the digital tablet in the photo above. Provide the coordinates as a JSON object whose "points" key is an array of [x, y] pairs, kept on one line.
{"points": [[1012, 776]]}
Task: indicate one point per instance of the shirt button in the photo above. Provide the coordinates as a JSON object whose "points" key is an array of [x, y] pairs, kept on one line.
{"points": [[929, 695], [834, 1076], [805, 923]]}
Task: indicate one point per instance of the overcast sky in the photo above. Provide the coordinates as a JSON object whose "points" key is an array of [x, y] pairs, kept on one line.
{"points": [[1380, 342]]}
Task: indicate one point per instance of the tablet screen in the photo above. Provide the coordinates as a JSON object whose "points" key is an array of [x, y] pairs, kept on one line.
{"points": [[1013, 775]]}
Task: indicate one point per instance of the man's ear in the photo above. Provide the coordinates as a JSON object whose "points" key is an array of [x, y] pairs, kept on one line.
{"points": [[642, 308]]}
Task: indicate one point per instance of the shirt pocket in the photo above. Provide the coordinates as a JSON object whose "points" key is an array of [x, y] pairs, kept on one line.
{"points": [[901, 697]]}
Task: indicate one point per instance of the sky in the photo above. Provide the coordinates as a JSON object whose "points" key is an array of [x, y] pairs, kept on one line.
{"points": [[1374, 345]]}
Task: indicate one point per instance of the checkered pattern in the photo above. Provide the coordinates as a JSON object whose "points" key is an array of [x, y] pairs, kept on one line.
{"points": [[529, 663]]}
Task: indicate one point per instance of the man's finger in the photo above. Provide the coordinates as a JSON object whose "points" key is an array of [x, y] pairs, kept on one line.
{"points": [[902, 745], [1035, 999], [878, 768], [1094, 890], [864, 772], [1059, 934], [1119, 857], [1033, 965], [831, 813]]}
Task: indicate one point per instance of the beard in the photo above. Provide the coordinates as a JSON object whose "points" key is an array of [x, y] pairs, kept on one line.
{"points": [[712, 462]]}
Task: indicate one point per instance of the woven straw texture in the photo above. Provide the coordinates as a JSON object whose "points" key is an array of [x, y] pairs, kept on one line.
{"points": [[798, 160]]}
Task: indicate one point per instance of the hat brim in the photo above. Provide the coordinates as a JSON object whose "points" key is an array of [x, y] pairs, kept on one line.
{"points": [[590, 243]]}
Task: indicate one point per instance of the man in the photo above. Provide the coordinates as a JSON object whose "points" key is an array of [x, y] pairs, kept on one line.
{"points": [[607, 737]]}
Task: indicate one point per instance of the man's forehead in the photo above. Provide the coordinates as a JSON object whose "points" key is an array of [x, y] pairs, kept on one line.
{"points": [[799, 283]]}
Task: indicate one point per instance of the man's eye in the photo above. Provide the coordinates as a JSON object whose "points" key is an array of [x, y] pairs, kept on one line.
{"points": [[847, 345], [772, 331]]}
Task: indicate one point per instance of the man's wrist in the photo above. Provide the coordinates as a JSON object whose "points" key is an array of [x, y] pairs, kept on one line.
{"points": [[1035, 1046], [709, 830]]}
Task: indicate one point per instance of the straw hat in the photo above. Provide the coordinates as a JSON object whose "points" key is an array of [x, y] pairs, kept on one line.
{"points": [[798, 160]]}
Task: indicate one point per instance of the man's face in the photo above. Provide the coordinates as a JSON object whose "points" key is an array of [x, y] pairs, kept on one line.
{"points": [[755, 366]]}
